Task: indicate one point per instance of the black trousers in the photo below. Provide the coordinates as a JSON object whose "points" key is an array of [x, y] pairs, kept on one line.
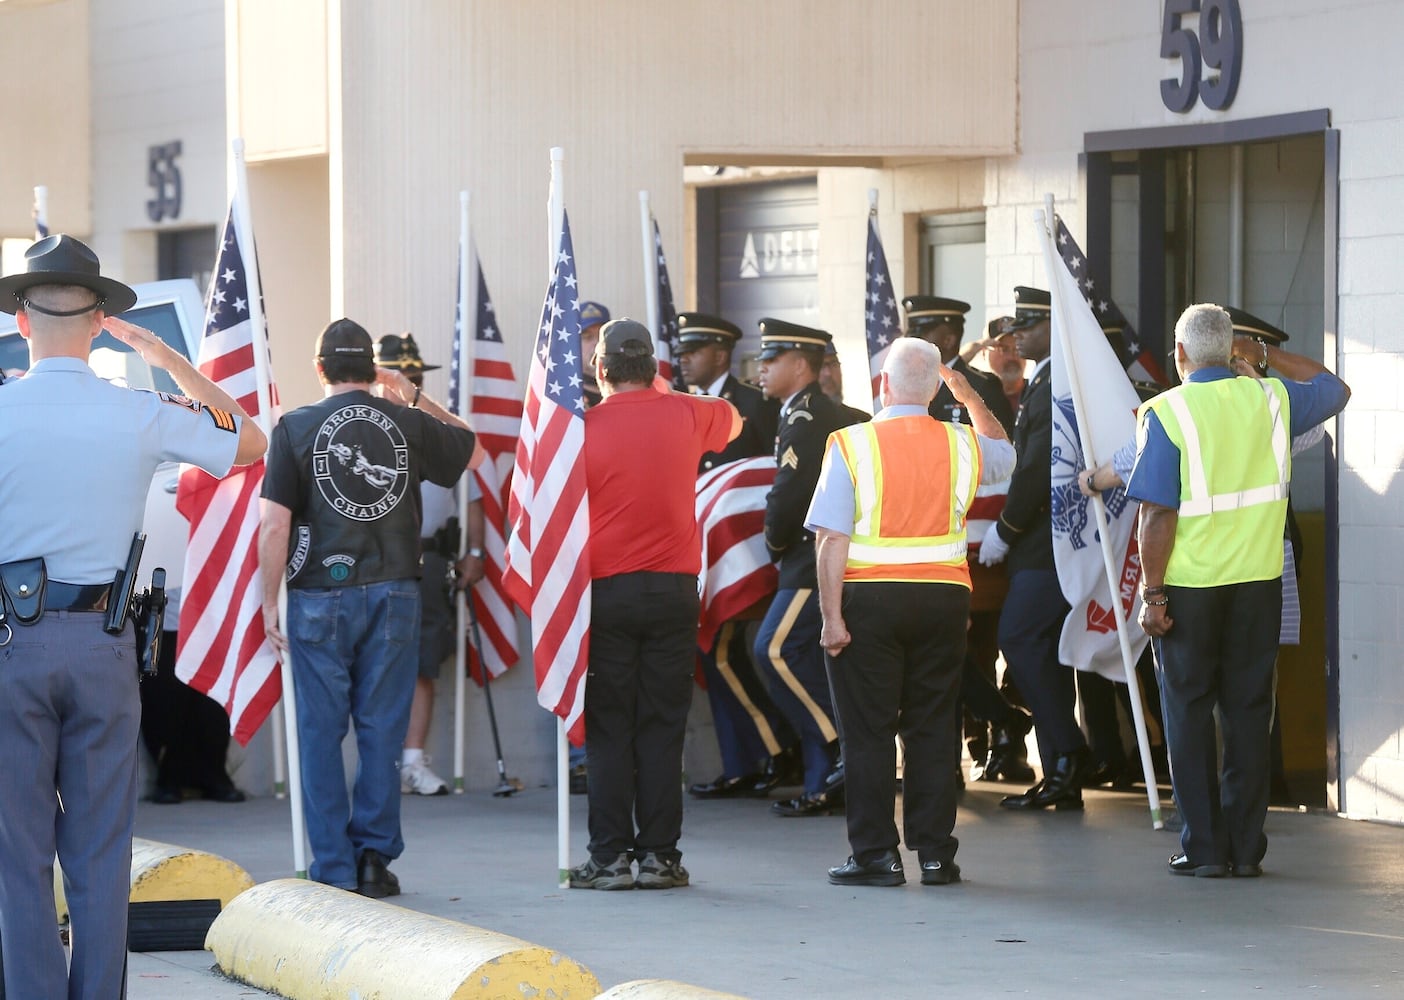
{"points": [[1220, 652], [643, 644], [901, 676], [186, 732]]}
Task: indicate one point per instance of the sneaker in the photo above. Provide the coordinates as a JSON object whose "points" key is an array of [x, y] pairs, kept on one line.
{"points": [[592, 875], [418, 779], [656, 872]]}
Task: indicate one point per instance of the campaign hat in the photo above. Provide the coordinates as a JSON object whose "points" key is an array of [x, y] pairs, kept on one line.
{"points": [[399, 351], [62, 260], [697, 329], [778, 336]]}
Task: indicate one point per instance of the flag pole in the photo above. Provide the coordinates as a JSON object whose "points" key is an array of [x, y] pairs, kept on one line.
{"points": [[466, 296], [555, 207], [650, 270], [1051, 260], [243, 231], [41, 211]]}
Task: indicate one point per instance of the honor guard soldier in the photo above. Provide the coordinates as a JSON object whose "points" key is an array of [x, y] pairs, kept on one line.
{"points": [[1213, 466], [831, 382], [80, 453], [705, 346], [758, 748], [941, 322], [1034, 609], [787, 647]]}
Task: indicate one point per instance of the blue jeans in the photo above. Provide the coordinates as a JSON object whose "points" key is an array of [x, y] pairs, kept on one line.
{"points": [[354, 653]]}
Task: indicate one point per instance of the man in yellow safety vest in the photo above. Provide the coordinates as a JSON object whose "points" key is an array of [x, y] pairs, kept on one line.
{"points": [[1213, 465]]}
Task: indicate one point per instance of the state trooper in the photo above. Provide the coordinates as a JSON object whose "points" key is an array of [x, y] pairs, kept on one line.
{"points": [[80, 454], [787, 647], [758, 749]]}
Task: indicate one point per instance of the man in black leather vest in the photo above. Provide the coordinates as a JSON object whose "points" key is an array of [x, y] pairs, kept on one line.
{"points": [[341, 516]]}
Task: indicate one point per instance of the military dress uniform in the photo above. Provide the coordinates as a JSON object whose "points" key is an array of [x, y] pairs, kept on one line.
{"points": [[751, 730], [787, 647], [1034, 609], [80, 453]]}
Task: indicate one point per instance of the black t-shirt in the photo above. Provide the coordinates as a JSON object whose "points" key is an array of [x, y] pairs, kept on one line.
{"points": [[349, 469]]}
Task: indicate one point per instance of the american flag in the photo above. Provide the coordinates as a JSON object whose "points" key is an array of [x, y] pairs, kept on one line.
{"points": [[1138, 362], [222, 650], [880, 319], [496, 412], [548, 552], [736, 567], [667, 334]]}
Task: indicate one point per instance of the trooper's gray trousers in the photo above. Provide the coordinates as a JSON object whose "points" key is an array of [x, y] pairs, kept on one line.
{"points": [[69, 723]]}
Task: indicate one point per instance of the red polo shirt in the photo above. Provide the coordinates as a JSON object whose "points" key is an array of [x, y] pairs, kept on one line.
{"points": [[641, 455]]}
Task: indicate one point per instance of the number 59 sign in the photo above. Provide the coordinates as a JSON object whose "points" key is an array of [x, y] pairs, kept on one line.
{"points": [[1219, 46]]}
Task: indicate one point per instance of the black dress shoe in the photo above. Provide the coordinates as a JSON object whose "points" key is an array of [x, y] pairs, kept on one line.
{"points": [[167, 796], [885, 870], [1100, 774], [1060, 788], [1246, 870], [723, 787], [934, 872], [374, 877], [785, 768], [818, 804], [1009, 753], [223, 793], [1181, 865]]}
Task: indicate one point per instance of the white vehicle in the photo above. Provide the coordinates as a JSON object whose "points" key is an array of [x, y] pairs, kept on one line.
{"points": [[174, 311]]}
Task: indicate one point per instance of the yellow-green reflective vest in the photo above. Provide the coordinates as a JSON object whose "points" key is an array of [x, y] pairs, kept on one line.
{"points": [[1235, 466]]}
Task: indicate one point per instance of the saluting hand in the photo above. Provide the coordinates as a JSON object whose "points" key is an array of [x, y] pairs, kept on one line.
{"points": [[959, 385], [396, 382], [834, 636], [151, 348]]}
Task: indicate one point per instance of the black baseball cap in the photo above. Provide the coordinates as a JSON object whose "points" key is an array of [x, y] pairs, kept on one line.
{"points": [[345, 338]]}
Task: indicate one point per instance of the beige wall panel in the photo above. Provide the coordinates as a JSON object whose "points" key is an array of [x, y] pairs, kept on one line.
{"points": [[290, 222], [441, 95], [157, 77], [47, 42], [282, 76]]}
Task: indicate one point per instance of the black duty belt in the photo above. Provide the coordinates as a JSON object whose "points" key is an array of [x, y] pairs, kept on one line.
{"points": [[76, 596]]}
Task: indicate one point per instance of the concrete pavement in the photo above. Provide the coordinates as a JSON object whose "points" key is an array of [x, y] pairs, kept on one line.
{"points": [[1053, 905]]}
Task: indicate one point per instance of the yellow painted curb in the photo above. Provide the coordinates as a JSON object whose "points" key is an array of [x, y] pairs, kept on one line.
{"points": [[309, 941], [663, 989], [165, 871]]}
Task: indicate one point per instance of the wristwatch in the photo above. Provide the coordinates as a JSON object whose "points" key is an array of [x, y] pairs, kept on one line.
{"points": [[475, 552]]}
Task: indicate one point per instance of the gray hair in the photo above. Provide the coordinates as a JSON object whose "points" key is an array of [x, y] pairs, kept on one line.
{"points": [[913, 369], [1206, 331]]}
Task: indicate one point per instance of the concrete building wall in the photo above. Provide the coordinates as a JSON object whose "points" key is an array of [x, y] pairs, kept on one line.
{"points": [[46, 116]]}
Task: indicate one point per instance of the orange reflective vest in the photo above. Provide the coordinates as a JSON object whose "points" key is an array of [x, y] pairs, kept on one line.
{"points": [[914, 480]]}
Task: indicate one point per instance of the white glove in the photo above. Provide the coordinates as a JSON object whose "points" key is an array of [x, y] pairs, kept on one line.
{"points": [[993, 549]]}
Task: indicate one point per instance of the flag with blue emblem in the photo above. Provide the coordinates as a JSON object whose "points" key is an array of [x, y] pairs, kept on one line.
{"points": [[495, 411], [222, 649], [548, 550], [881, 323], [1080, 351]]}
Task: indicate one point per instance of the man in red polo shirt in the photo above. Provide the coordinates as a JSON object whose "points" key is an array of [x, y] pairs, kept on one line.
{"points": [[642, 445]]}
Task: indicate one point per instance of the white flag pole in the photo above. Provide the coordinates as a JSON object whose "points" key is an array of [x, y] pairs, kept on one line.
{"points": [[1052, 260], [555, 208], [243, 231], [467, 317], [650, 270], [41, 211]]}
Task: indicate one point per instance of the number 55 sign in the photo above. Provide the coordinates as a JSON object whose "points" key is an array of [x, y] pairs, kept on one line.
{"points": [[1219, 46]]}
